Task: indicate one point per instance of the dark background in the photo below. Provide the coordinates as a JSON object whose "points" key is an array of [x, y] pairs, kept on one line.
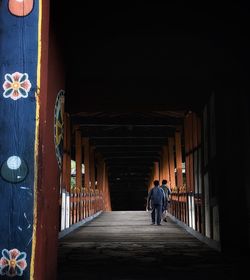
{"points": [[151, 55]]}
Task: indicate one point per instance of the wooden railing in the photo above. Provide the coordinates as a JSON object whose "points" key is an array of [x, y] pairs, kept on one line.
{"points": [[84, 204], [187, 207], [80, 206]]}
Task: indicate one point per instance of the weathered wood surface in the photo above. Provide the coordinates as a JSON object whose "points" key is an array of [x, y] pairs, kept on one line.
{"points": [[123, 245]]}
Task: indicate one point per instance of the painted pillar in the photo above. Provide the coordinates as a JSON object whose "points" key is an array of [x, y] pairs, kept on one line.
{"points": [[65, 188], [189, 126], [156, 171], [100, 167], [86, 153], [99, 173], [109, 208], [66, 173], [161, 167], [178, 159], [165, 163], [78, 155], [104, 179], [187, 151], [92, 167], [19, 108], [50, 154], [191, 165], [31, 114], [151, 179], [105, 190], [171, 162]]}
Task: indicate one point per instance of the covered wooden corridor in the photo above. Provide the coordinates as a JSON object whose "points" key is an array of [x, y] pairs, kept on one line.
{"points": [[123, 245], [99, 100]]}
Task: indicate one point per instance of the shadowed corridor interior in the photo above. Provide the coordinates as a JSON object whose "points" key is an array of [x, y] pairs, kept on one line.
{"points": [[98, 100], [153, 92]]}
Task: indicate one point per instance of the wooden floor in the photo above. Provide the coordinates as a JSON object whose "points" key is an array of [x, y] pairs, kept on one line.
{"points": [[123, 245]]}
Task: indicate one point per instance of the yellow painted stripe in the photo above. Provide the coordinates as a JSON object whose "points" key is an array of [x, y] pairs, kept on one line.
{"points": [[32, 264]]}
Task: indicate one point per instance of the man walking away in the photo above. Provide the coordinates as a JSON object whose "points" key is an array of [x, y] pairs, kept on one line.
{"points": [[167, 192], [156, 198]]}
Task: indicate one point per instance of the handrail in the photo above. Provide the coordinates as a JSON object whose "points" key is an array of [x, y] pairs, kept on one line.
{"points": [[187, 207], [83, 204]]}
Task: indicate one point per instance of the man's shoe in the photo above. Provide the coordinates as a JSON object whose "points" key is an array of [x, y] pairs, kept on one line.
{"points": [[158, 224]]}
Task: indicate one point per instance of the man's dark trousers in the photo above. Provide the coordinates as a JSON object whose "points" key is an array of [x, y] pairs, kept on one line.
{"points": [[157, 209]]}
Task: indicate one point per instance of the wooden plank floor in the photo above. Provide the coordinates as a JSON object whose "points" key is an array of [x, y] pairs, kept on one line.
{"points": [[123, 245]]}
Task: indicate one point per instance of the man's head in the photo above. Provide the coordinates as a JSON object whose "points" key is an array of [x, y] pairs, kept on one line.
{"points": [[156, 183], [164, 182]]}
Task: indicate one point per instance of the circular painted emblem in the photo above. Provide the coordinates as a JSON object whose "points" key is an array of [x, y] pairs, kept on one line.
{"points": [[14, 170], [58, 126]]}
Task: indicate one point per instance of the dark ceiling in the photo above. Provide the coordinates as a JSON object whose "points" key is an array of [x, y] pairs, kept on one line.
{"points": [[150, 55], [149, 62]]}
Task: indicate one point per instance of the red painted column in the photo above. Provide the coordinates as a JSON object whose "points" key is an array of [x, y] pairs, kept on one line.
{"points": [[66, 173], [45, 238], [171, 162], [104, 177], [105, 186], [187, 151], [191, 167], [161, 168], [92, 167], [178, 159], [107, 193], [150, 181], [99, 172], [165, 163], [156, 171], [78, 155], [86, 155], [109, 198]]}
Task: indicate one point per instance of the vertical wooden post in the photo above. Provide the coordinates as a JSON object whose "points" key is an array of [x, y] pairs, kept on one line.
{"points": [[99, 173], [78, 160], [156, 171], [104, 185], [65, 157], [187, 150], [92, 167], [66, 175], [106, 202], [165, 164], [161, 168], [86, 155], [103, 177], [150, 181], [109, 208], [178, 159], [171, 162], [191, 167]]}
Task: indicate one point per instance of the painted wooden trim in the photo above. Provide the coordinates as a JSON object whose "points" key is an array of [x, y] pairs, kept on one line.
{"points": [[39, 49]]}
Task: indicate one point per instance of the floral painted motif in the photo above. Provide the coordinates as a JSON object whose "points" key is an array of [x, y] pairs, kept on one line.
{"points": [[59, 126], [21, 8], [16, 85], [12, 263]]}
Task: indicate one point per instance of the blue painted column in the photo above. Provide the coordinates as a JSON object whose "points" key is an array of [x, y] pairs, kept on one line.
{"points": [[19, 89]]}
